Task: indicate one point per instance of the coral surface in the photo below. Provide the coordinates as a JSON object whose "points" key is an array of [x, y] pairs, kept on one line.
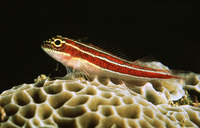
{"points": [[101, 103]]}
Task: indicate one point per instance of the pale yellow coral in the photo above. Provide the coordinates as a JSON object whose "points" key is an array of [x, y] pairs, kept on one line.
{"points": [[98, 103]]}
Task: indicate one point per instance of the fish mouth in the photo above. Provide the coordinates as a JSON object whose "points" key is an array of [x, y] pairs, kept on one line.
{"points": [[44, 48], [46, 44], [49, 51]]}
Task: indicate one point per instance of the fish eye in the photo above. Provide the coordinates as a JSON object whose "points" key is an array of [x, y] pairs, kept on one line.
{"points": [[57, 43]]}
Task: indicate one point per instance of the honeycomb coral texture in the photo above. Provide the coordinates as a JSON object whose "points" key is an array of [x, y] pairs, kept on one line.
{"points": [[77, 103]]}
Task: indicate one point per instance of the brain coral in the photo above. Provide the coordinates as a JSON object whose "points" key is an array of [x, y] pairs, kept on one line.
{"points": [[100, 103]]}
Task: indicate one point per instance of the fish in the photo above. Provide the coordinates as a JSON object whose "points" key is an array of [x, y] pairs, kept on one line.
{"points": [[95, 61]]}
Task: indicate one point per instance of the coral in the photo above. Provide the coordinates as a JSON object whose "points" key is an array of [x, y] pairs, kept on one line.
{"points": [[100, 103]]}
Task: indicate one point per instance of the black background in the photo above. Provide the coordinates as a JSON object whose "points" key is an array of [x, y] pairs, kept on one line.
{"points": [[168, 30]]}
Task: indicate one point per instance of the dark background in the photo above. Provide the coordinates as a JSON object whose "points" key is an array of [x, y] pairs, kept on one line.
{"points": [[170, 31]]}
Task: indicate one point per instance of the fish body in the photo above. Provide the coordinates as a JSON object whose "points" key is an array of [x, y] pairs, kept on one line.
{"points": [[93, 60]]}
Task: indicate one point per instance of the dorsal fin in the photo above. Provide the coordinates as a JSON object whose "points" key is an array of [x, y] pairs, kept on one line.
{"points": [[145, 63], [149, 58]]}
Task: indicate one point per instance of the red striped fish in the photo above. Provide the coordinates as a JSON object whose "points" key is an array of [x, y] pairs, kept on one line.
{"points": [[95, 61]]}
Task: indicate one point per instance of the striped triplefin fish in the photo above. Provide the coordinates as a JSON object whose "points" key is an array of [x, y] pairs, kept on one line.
{"points": [[94, 61]]}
